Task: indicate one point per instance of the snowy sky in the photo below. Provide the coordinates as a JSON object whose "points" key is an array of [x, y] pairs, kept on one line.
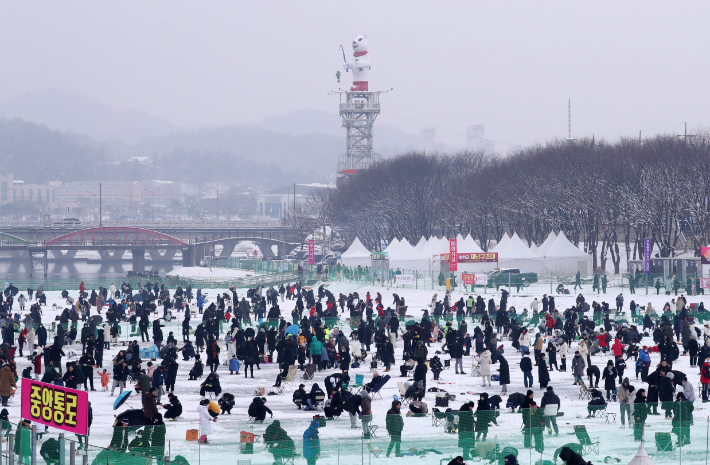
{"points": [[628, 66]]}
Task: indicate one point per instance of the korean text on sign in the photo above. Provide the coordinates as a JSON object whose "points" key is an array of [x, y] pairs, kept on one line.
{"points": [[56, 406]]}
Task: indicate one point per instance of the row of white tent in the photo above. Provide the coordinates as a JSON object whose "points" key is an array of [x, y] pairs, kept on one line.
{"points": [[556, 254]]}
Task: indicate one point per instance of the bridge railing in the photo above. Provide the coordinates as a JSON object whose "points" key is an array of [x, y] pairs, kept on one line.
{"points": [[177, 224]]}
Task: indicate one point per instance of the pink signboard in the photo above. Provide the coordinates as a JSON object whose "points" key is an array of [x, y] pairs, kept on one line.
{"points": [[453, 263], [56, 406], [311, 252]]}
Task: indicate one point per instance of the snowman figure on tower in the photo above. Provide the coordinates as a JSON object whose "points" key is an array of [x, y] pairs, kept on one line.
{"points": [[360, 64]]}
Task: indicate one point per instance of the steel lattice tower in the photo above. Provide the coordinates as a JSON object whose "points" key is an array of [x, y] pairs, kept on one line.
{"points": [[359, 111]]}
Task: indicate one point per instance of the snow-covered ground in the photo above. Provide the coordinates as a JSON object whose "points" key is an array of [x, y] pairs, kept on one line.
{"points": [[340, 443]]}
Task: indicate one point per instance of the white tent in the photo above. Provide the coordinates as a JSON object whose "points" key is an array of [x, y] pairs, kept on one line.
{"points": [[641, 457], [469, 245], [501, 244], [564, 257], [394, 243], [421, 244], [357, 254], [405, 258], [515, 254], [545, 246]]}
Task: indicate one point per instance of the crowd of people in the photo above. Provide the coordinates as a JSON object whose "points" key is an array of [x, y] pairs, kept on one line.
{"points": [[312, 338]]}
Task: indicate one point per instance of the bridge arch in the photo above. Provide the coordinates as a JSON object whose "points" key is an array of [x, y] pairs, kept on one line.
{"points": [[5, 237], [116, 235]]}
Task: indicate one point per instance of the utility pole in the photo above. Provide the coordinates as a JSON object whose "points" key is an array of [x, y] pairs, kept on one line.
{"points": [[685, 135], [100, 208]]}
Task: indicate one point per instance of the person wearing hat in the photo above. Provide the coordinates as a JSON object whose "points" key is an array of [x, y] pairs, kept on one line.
{"points": [[643, 363], [23, 441], [173, 409], [300, 397], [311, 443]]}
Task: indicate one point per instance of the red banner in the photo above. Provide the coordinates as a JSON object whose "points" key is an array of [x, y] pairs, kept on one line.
{"points": [[59, 407], [468, 278], [453, 264], [311, 252], [481, 257]]}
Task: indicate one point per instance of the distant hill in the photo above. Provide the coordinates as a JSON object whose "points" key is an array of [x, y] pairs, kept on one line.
{"points": [[66, 111], [36, 154]]}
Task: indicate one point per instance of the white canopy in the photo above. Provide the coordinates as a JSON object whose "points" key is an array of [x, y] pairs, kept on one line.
{"points": [[564, 257], [469, 245], [545, 246], [421, 244], [406, 258], [641, 457], [502, 243], [515, 254], [356, 255]]}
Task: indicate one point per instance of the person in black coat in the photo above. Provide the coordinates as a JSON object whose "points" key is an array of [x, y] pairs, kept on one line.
{"points": [[420, 373], [542, 374], [300, 397], [526, 368], [665, 392], [570, 457], [258, 409], [173, 409], [197, 369], [609, 377], [352, 406], [503, 373], [593, 373]]}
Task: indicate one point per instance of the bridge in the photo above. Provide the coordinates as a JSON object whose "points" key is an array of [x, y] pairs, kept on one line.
{"points": [[112, 242]]}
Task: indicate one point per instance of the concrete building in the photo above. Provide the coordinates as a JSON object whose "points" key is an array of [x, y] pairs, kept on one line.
{"points": [[476, 139], [14, 190], [273, 205]]}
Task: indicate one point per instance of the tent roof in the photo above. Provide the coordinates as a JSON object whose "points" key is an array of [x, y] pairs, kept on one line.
{"points": [[502, 243], [516, 248], [394, 243], [469, 245], [562, 247], [356, 249], [545, 246], [421, 244], [402, 250], [641, 457]]}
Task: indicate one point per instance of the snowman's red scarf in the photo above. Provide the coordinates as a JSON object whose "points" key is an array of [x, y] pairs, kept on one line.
{"points": [[359, 54]]}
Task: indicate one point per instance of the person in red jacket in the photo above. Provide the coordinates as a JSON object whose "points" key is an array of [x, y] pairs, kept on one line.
{"points": [[617, 348], [37, 361], [705, 378], [603, 345], [550, 323]]}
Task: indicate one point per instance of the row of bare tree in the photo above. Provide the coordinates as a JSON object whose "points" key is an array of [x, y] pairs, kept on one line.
{"points": [[600, 194]]}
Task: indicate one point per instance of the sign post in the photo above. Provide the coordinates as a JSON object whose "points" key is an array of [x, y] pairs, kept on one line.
{"points": [[647, 260], [311, 252], [453, 258]]}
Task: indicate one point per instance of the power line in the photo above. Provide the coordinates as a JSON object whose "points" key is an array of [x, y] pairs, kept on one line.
{"points": [[442, 129]]}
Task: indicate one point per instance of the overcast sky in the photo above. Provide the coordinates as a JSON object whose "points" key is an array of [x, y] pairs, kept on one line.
{"points": [[628, 66]]}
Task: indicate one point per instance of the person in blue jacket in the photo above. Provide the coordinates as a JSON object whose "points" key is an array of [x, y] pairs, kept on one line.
{"points": [[234, 365], [311, 443]]}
